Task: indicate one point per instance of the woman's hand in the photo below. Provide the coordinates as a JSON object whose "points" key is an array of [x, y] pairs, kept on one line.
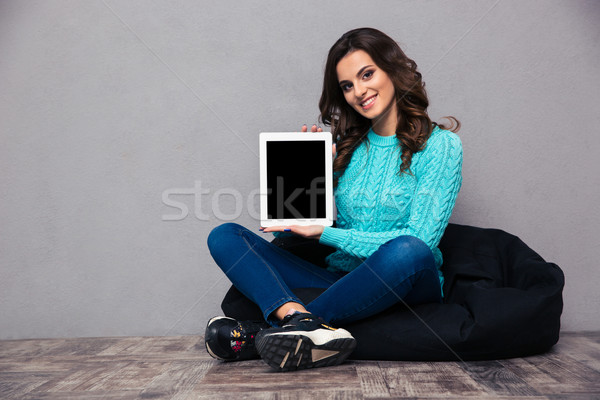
{"points": [[312, 128], [315, 129], [308, 231]]}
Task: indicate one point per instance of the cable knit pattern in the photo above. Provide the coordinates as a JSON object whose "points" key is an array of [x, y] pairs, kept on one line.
{"points": [[375, 204]]}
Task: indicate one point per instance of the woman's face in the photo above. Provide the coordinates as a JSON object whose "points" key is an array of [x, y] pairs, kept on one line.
{"points": [[367, 88]]}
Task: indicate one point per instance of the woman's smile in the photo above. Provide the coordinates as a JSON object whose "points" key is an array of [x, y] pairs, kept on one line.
{"points": [[368, 103]]}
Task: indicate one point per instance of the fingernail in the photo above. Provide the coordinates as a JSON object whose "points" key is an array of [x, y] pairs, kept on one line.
{"points": [[287, 230]]}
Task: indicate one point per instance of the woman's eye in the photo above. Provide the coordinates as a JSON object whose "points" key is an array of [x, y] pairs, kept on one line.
{"points": [[368, 74], [346, 87]]}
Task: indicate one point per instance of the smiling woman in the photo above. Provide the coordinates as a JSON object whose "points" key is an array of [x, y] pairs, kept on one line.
{"points": [[369, 90], [396, 178], [367, 53]]}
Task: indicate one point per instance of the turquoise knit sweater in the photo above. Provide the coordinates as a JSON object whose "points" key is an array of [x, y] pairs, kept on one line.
{"points": [[375, 204]]}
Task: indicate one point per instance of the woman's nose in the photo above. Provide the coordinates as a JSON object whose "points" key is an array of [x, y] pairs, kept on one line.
{"points": [[359, 90]]}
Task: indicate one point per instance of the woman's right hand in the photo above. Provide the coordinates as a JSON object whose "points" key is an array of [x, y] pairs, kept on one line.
{"points": [[315, 129]]}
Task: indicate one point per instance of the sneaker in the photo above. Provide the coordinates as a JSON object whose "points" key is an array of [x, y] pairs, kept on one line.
{"points": [[230, 340], [303, 341]]}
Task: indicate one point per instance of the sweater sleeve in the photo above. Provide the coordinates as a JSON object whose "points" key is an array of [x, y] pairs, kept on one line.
{"points": [[439, 180]]}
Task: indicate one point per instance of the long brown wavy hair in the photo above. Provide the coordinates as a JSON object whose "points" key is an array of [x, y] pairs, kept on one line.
{"points": [[349, 128]]}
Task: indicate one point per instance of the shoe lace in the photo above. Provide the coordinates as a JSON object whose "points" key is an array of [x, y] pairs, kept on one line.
{"points": [[299, 317]]}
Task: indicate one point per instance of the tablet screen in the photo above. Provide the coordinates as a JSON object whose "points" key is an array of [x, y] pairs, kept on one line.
{"points": [[296, 180]]}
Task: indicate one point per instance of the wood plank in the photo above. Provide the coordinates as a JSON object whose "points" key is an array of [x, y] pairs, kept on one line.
{"points": [[173, 347], [337, 394], [593, 336], [498, 380], [81, 347], [28, 347], [215, 394], [581, 348], [97, 395], [565, 369], [157, 347], [123, 346], [528, 370], [38, 365], [574, 396], [179, 368], [488, 397], [372, 381], [179, 378], [555, 374], [427, 379], [83, 377], [254, 376], [135, 375], [14, 385]]}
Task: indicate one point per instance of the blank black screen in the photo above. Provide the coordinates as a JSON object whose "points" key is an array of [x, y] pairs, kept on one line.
{"points": [[296, 179]]}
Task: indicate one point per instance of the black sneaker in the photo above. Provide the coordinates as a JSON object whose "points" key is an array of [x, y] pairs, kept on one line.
{"points": [[229, 340], [303, 341]]}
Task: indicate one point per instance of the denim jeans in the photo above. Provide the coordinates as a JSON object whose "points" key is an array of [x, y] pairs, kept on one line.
{"points": [[403, 269]]}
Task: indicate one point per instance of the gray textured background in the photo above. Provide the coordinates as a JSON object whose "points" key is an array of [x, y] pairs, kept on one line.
{"points": [[107, 106]]}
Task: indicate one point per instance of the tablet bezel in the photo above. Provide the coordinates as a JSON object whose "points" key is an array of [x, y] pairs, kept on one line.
{"points": [[266, 137]]}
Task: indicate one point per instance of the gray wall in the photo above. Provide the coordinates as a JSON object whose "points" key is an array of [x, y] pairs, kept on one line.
{"points": [[107, 106]]}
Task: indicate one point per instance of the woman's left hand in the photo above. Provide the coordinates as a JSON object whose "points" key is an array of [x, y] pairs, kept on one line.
{"points": [[309, 231]]}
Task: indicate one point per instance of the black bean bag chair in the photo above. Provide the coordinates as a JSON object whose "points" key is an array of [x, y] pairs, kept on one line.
{"points": [[501, 300]]}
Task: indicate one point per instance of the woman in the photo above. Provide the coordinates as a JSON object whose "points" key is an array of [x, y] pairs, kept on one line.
{"points": [[396, 177]]}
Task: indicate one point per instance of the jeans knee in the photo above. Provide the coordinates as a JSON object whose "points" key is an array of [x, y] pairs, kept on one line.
{"points": [[410, 250], [220, 234]]}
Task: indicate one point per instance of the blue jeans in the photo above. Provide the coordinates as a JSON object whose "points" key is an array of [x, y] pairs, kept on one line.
{"points": [[403, 269]]}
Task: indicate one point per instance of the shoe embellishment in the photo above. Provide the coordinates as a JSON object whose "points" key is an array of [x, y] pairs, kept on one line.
{"points": [[236, 345], [228, 339], [318, 355], [329, 327]]}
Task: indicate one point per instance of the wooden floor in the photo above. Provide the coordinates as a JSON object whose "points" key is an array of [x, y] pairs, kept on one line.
{"points": [[180, 368]]}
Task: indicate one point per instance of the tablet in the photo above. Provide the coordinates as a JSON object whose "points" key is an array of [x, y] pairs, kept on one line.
{"points": [[296, 178]]}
